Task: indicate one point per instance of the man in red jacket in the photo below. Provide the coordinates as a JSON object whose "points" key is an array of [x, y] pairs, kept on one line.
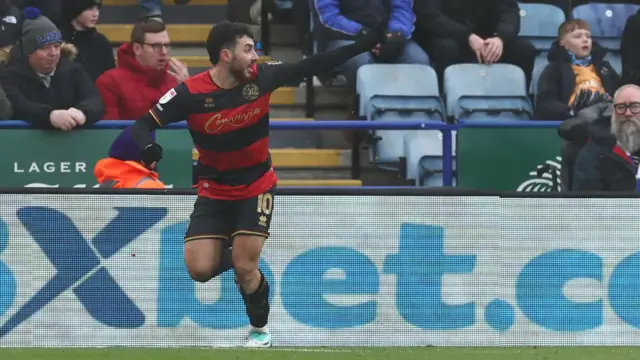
{"points": [[144, 73]]}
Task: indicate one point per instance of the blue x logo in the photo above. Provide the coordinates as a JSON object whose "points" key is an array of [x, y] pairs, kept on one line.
{"points": [[78, 263]]}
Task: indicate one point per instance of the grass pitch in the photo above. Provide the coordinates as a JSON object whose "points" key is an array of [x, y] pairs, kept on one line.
{"points": [[426, 353]]}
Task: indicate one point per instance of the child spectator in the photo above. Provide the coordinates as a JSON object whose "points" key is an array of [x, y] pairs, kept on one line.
{"points": [[577, 75], [94, 50]]}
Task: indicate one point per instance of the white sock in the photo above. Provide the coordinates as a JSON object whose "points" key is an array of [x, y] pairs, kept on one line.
{"points": [[261, 330]]}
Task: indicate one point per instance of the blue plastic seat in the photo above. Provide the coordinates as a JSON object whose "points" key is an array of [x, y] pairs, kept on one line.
{"points": [[482, 92], [607, 21], [398, 92], [539, 24]]}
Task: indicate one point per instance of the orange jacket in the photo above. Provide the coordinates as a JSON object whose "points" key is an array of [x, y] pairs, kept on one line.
{"points": [[126, 175]]}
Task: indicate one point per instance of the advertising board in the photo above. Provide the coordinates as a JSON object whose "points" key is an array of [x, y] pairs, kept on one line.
{"points": [[107, 270]]}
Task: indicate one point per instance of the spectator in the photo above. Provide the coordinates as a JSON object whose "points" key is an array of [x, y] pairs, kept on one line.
{"points": [[341, 21], [6, 109], [459, 31], [152, 9], [123, 169], [630, 50], [574, 132], [609, 162], [143, 75], [10, 25], [47, 89], [577, 75], [94, 50]]}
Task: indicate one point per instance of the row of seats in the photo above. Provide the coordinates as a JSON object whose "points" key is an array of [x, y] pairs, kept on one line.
{"points": [[471, 91]]}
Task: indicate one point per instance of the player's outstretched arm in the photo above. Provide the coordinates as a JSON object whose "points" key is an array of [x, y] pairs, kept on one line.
{"points": [[285, 74], [170, 108]]}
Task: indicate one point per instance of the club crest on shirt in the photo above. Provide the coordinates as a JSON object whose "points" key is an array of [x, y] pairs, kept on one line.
{"points": [[251, 91]]}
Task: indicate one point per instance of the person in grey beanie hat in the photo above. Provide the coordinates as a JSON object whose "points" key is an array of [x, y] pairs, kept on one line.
{"points": [[46, 87], [37, 31]]}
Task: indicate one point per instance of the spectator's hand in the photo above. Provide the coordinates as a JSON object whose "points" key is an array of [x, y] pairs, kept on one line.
{"points": [[151, 154], [492, 50], [392, 47], [61, 119], [376, 50], [178, 70], [78, 116], [477, 46]]}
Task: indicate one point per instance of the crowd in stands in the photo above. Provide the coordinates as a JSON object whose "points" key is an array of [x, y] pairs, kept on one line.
{"points": [[59, 72]]}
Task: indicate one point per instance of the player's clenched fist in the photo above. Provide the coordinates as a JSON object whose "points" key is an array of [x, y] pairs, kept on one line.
{"points": [[151, 154]]}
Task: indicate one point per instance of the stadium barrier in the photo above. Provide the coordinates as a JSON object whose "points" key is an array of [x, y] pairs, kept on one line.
{"points": [[491, 155], [402, 267]]}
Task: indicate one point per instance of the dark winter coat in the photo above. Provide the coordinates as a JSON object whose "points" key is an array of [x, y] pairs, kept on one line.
{"points": [[70, 87]]}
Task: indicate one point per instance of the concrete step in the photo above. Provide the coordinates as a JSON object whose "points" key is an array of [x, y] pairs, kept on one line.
{"points": [[179, 33], [319, 182], [305, 158], [310, 158], [192, 33], [130, 13]]}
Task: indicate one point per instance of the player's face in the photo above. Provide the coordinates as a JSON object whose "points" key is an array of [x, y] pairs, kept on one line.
{"points": [[243, 59]]}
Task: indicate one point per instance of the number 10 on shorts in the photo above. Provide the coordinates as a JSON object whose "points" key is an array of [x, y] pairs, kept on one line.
{"points": [[265, 203]]}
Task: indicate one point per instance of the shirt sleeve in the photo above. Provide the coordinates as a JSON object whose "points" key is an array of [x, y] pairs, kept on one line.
{"points": [[172, 106]]}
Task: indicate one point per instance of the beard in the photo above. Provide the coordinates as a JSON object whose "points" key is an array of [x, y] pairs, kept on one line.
{"points": [[240, 73], [627, 131]]}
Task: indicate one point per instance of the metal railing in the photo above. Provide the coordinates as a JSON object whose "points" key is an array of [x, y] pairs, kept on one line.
{"points": [[358, 126]]}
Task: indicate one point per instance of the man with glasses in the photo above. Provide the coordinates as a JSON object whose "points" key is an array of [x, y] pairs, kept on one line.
{"points": [[609, 161], [144, 73]]}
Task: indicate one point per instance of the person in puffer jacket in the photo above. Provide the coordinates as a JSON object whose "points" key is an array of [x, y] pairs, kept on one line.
{"points": [[123, 169]]}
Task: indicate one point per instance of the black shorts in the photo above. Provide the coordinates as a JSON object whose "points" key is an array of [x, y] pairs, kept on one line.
{"points": [[224, 219]]}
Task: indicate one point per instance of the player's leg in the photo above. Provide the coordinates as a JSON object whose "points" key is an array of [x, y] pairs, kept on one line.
{"points": [[252, 229], [206, 243]]}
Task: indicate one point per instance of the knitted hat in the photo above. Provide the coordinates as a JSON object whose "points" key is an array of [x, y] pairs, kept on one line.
{"points": [[73, 8], [37, 31], [124, 148]]}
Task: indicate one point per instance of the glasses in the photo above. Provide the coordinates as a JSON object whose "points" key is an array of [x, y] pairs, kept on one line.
{"points": [[159, 46], [621, 108]]}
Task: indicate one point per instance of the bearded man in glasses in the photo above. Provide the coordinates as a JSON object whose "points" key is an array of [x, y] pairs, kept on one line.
{"points": [[609, 161]]}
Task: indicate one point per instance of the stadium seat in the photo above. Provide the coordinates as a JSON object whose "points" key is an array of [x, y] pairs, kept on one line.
{"points": [[423, 153], [483, 92], [607, 21], [538, 67], [616, 62], [539, 24], [390, 92]]}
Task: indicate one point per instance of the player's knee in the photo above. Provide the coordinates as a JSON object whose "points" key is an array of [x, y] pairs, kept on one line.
{"points": [[202, 272], [244, 267]]}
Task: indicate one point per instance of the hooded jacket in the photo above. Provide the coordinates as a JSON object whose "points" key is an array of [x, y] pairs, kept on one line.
{"points": [[94, 50], [131, 89], [558, 81], [119, 174], [70, 87]]}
